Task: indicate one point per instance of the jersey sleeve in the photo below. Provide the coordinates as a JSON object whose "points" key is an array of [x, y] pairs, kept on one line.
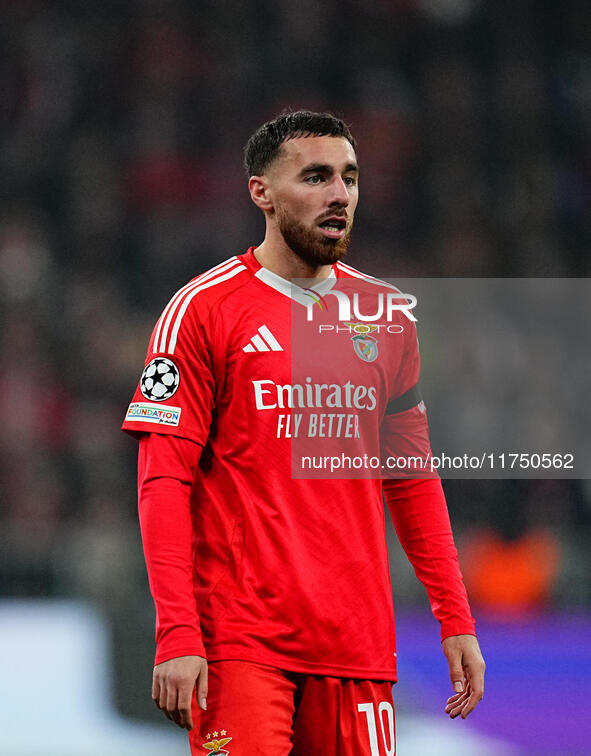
{"points": [[416, 500], [404, 434], [419, 513], [166, 467], [175, 393], [404, 393]]}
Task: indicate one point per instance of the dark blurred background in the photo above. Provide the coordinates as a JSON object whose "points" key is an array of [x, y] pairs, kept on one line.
{"points": [[122, 128]]}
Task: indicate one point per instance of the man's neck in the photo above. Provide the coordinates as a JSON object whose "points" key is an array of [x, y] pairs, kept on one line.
{"points": [[281, 260]]}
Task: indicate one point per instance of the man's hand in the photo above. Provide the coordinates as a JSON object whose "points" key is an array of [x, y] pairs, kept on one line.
{"points": [[173, 683], [466, 671]]}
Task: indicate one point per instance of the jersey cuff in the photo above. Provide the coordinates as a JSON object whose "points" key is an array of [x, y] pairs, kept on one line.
{"points": [[457, 627], [174, 648]]}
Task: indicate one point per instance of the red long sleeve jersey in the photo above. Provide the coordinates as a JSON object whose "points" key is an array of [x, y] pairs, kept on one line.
{"points": [[248, 558]]}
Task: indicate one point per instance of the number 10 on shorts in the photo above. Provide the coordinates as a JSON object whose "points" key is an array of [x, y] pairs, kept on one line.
{"points": [[386, 719]]}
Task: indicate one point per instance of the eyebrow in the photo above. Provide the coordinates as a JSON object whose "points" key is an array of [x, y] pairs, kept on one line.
{"points": [[327, 169]]}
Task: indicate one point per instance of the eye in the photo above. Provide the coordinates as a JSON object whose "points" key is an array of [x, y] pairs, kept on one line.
{"points": [[315, 179], [350, 180]]}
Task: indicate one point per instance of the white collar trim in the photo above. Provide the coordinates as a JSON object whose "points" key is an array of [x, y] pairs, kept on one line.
{"points": [[292, 290]]}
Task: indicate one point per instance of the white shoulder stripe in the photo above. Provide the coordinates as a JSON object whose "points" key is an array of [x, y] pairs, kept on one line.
{"points": [[352, 270], [183, 309], [175, 298], [364, 277], [169, 310], [185, 291]]}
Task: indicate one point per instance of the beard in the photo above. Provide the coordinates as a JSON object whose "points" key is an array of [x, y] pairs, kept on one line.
{"points": [[308, 245]]}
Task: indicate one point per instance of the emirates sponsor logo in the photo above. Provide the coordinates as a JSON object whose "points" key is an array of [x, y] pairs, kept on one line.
{"points": [[269, 395]]}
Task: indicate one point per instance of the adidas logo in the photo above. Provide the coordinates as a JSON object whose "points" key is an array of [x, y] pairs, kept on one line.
{"points": [[263, 341]]}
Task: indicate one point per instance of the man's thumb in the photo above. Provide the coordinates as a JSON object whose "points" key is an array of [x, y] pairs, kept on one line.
{"points": [[458, 685], [456, 675]]}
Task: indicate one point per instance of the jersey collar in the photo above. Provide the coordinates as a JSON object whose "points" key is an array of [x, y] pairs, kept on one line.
{"points": [[288, 288]]}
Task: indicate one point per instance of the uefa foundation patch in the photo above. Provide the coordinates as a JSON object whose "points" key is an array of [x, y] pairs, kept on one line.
{"points": [[146, 412]]}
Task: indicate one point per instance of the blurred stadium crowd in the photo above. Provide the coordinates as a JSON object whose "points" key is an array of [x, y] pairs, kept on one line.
{"points": [[122, 127]]}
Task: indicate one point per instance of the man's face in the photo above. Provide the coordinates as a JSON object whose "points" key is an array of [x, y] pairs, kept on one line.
{"points": [[314, 187]]}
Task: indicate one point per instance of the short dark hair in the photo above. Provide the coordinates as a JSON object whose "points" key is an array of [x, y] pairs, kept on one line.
{"points": [[263, 146]]}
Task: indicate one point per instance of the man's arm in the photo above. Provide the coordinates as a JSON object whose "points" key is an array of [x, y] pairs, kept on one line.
{"points": [[420, 516], [166, 468]]}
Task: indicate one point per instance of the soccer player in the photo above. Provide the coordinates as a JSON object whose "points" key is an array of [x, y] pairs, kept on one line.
{"points": [[275, 625]]}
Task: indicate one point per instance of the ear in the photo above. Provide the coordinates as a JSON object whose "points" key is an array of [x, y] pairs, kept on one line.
{"points": [[258, 187]]}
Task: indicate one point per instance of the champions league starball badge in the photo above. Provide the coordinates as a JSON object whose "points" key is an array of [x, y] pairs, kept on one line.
{"points": [[160, 379]]}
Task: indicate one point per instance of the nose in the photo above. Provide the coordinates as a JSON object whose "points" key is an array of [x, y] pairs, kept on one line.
{"points": [[338, 192]]}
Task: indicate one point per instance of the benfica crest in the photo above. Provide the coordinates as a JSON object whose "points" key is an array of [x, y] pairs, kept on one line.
{"points": [[366, 347], [216, 746]]}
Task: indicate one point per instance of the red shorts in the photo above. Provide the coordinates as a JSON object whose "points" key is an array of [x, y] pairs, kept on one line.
{"points": [[256, 709]]}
